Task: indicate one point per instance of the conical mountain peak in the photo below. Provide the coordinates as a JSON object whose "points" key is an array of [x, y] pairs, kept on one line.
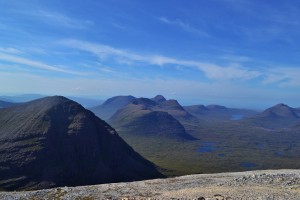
{"points": [[159, 99], [281, 110], [54, 141]]}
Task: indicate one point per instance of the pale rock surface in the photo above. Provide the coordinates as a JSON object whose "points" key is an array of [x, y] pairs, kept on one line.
{"points": [[267, 184]]}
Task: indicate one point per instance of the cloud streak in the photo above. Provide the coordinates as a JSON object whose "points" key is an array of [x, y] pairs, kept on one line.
{"points": [[172, 88], [211, 71], [285, 77], [184, 26], [63, 20], [54, 18], [282, 76], [34, 64]]}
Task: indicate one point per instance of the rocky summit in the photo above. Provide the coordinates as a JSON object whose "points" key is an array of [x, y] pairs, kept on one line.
{"points": [[54, 141]]}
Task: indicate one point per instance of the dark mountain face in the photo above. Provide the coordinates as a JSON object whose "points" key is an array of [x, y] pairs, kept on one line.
{"points": [[148, 103], [56, 142], [280, 110], [4, 104], [175, 109], [196, 109], [158, 123], [276, 117], [215, 107], [111, 105], [171, 104], [297, 111], [159, 99], [144, 119]]}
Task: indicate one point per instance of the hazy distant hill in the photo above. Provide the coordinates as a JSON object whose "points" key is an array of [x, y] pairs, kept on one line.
{"points": [[4, 104], [21, 98], [219, 112], [86, 102], [175, 109], [140, 117], [111, 105], [54, 141], [278, 116], [159, 99], [227, 139], [158, 103]]}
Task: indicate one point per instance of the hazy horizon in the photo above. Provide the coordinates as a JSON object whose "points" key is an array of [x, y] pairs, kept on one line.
{"points": [[242, 54], [182, 101]]}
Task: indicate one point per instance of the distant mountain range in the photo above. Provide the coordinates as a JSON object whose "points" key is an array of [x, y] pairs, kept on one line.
{"points": [[206, 138], [21, 98], [276, 117], [84, 101], [124, 111], [54, 141], [144, 116], [111, 105], [218, 112]]}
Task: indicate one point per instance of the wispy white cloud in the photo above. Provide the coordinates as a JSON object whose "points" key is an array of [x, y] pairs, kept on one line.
{"points": [[212, 71], [284, 76], [10, 50], [61, 19], [102, 51], [184, 26], [55, 18], [15, 82], [35, 64]]}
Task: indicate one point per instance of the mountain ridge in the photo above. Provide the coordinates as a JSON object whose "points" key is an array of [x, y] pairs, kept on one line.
{"points": [[4, 104], [111, 105], [55, 141], [141, 117], [276, 117]]}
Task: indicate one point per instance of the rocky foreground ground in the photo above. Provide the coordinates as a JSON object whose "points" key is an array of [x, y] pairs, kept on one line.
{"points": [[267, 184]]}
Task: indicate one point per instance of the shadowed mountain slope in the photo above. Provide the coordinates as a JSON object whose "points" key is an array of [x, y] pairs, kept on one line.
{"points": [[158, 103], [4, 104], [175, 109], [141, 117], [278, 116], [111, 105], [159, 99], [54, 141]]}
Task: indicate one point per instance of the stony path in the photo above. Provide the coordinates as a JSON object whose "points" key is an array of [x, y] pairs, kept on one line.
{"points": [[268, 184]]}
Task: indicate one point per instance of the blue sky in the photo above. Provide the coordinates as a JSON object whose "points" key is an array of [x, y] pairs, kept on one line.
{"points": [[239, 53]]}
